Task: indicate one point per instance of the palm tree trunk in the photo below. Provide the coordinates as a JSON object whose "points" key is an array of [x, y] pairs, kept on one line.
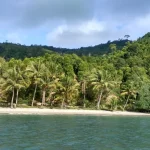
{"points": [[62, 104], [65, 99], [17, 96], [99, 99], [84, 105], [43, 98], [12, 98], [126, 103], [34, 95], [84, 94], [49, 99]]}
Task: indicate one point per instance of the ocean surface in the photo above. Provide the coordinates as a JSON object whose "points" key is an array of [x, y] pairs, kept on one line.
{"points": [[31, 132]]}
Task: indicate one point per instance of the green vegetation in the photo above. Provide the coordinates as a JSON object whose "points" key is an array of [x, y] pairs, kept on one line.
{"points": [[119, 80], [17, 51]]}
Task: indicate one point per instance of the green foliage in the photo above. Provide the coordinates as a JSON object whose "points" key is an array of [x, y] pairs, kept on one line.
{"points": [[17, 51], [143, 101], [70, 78]]}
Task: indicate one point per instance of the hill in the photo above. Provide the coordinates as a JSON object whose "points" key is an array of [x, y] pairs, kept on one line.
{"points": [[18, 51], [119, 80]]}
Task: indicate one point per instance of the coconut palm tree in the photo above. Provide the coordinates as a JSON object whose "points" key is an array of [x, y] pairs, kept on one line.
{"points": [[129, 91], [8, 85], [83, 83], [13, 80], [101, 82], [68, 88], [48, 79], [34, 71]]}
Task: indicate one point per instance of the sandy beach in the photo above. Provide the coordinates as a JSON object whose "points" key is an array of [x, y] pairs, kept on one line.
{"points": [[38, 111]]}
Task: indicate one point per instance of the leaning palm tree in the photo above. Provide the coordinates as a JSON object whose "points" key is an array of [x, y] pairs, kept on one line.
{"points": [[129, 91], [34, 71], [101, 82]]}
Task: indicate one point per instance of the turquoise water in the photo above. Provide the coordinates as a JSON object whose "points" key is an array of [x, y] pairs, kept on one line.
{"points": [[74, 133]]}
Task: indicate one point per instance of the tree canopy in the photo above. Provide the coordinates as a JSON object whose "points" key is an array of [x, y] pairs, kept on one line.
{"points": [[115, 80]]}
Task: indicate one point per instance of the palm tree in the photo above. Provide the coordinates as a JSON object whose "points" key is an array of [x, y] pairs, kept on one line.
{"points": [[68, 89], [13, 78], [34, 71], [14, 81], [48, 79], [129, 91], [101, 82], [8, 85], [22, 80], [44, 82], [83, 83]]}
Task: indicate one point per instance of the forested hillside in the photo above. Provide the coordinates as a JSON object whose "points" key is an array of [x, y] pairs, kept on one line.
{"points": [[119, 80], [10, 50]]}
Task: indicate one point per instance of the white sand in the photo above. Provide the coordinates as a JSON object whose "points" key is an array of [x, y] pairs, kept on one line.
{"points": [[38, 111]]}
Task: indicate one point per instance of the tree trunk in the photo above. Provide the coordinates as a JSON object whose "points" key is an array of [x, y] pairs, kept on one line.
{"points": [[99, 99], [12, 98], [84, 105], [49, 99], [126, 103], [43, 98], [84, 94], [62, 104], [17, 97], [34, 95]]}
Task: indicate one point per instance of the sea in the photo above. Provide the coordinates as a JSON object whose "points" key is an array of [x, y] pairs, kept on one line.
{"points": [[74, 132]]}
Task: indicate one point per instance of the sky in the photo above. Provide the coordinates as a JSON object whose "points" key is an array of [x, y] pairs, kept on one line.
{"points": [[72, 23]]}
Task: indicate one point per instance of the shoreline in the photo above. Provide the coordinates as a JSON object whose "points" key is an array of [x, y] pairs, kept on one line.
{"points": [[45, 111]]}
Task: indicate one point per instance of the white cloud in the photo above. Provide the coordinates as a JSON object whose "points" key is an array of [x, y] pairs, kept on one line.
{"points": [[85, 34], [138, 27], [67, 35], [94, 32], [70, 23], [91, 26]]}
